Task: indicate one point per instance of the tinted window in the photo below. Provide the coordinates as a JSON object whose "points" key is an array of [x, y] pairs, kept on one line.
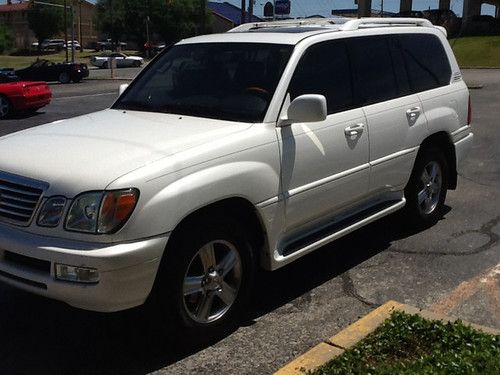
{"points": [[324, 69], [373, 69], [402, 82], [228, 81], [426, 61]]}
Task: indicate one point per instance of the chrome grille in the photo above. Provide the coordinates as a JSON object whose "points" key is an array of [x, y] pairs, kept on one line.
{"points": [[19, 198]]}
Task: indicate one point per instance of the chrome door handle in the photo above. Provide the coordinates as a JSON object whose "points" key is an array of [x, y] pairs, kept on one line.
{"points": [[354, 130], [413, 113]]}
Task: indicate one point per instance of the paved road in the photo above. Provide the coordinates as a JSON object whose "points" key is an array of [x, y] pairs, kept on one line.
{"points": [[448, 268]]}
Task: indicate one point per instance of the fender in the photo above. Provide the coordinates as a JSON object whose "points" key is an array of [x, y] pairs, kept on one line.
{"points": [[164, 209]]}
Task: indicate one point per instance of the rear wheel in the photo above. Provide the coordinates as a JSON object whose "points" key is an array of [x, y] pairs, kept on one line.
{"points": [[105, 65], [205, 280], [136, 64], [4, 106], [426, 191], [64, 77]]}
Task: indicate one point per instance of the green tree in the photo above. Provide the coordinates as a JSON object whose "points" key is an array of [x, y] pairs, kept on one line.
{"points": [[6, 39], [46, 21], [169, 20]]}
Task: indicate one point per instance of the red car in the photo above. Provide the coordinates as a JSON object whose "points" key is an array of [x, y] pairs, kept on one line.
{"points": [[22, 95]]}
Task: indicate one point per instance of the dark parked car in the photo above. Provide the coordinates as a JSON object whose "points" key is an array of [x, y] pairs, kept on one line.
{"points": [[44, 70], [410, 14], [8, 74], [446, 18]]}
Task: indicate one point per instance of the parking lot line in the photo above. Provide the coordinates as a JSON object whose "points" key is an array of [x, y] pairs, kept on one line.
{"points": [[85, 96], [486, 281]]}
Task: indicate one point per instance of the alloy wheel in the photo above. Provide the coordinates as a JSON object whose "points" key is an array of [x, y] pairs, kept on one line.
{"points": [[430, 189], [212, 281]]}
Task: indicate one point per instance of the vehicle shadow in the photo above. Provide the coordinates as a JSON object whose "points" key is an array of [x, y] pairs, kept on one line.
{"points": [[47, 337], [22, 115]]}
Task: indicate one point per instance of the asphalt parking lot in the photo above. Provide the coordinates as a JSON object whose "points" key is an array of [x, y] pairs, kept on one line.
{"points": [[452, 268]]}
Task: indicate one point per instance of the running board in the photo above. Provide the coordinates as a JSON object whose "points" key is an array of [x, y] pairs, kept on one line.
{"points": [[339, 229]]}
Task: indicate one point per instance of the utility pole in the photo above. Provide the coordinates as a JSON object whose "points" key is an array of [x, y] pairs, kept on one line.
{"points": [[80, 35], [66, 30], [243, 6], [203, 11], [250, 10], [72, 33]]}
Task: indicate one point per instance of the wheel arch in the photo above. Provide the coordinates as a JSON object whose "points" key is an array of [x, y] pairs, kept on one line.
{"points": [[236, 208], [442, 141]]}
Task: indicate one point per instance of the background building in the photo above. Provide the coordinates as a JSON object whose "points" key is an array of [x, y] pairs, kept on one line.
{"points": [[14, 15]]}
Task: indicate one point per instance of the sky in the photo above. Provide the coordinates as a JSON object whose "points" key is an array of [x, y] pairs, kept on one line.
{"points": [[302, 8]]}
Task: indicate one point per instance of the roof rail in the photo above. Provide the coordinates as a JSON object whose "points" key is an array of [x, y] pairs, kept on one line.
{"points": [[291, 22], [381, 22]]}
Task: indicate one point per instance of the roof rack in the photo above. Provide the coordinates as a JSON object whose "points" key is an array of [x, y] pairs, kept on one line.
{"points": [[291, 22], [355, 24]]}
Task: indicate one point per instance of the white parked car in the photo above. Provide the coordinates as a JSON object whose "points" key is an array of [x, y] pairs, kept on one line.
{"points": [[230, 152], [78, 47], [122, 60]]}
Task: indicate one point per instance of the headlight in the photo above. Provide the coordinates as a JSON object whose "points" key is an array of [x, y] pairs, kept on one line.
{"points": [[51, 212], [82, 215], [101, 212]]}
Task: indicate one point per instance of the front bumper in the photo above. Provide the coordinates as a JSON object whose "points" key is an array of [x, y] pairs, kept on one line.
{"points": [[127, 270], [21, 103]]}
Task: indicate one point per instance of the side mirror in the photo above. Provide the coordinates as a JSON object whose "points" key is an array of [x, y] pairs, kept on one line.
{"points": [[306, 108], [122, 88]]}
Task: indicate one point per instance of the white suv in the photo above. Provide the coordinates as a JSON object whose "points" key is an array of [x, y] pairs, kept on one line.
{"points": [[230, 151]]}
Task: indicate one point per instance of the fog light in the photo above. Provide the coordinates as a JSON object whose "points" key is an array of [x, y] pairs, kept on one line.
{"points": [[76, 274]]}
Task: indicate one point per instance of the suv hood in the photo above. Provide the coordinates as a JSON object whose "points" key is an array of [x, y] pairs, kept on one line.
{"points": [[89, 152]]}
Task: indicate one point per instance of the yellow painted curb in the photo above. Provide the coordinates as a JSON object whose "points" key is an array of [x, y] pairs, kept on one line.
{"points": [[314, 358], [336, 345], [364, 326]]}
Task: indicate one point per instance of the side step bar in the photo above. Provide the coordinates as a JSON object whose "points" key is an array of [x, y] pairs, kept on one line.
{"points": [[339, 229]]}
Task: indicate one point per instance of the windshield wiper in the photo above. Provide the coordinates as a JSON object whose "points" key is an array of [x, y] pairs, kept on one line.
{"points": [[135, 106]]}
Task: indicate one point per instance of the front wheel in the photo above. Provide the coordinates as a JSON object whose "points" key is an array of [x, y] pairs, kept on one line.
{"points": [[64, 77], [4, 106], [205, 279], [426, 191]]}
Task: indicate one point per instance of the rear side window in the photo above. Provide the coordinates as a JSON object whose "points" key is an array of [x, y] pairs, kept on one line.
{"points": [[426, 61], [373, 69], [324, 69]]}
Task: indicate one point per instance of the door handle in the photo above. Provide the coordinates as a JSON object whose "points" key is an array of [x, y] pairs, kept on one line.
{"points": [[413, 113], [354, 130]]}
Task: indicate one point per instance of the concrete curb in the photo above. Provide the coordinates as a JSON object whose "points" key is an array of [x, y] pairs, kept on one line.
{"points": [[345, 339]]}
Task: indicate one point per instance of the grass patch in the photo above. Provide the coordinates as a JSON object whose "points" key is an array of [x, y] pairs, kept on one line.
{"points": [[477, 51], [409, 344], [18, 62]]}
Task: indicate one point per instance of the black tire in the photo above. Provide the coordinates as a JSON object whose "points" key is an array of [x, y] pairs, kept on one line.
{"points": [[183, 312], [426, 190], [105, 65], [136, 64], [64, 77], [77, 79], [5, 107]]}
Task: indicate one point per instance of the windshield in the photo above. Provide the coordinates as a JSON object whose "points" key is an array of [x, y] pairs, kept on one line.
{"points": [[228, 81]]}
